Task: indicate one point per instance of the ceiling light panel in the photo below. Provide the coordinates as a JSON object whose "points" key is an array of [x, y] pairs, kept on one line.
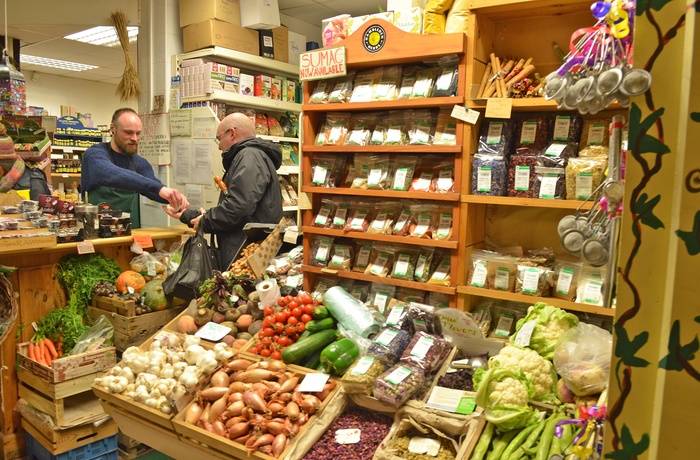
{"points": [[55, 63], [103, 35]]}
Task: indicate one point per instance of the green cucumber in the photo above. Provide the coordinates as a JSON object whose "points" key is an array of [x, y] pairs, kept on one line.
{"points": [[298, 351], [320, 312], [317, 325]]}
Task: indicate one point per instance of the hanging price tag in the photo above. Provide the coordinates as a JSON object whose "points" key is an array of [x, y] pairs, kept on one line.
{"points": [[85, 247], [145, 241]]}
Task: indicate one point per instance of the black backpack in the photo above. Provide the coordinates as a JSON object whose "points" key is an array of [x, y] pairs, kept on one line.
{"points": [[33, 180]]}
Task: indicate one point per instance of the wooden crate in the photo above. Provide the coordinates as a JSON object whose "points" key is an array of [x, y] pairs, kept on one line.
{"points": [[59, 441], [70, 410], [219, 446], [68, 367], [129, 329]]}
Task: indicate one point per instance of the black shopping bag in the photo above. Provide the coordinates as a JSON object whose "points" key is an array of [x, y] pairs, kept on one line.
{"points": [[197, 265]]}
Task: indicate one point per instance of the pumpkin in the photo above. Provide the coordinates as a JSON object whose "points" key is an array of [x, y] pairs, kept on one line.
{"points": [[154, 296], [129, 279]]}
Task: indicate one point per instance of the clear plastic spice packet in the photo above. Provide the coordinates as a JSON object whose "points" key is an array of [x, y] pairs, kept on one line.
{"points": [[364, 85], [423, 264], [341, 257], [320, 93], [565, 279], [324, 215], [521, 176], [534, 281], [384, 217], [362, 253], [405, 260], [550, 183], [532, 135], [342, 89], [567, 127], [442, 219], [590, 286], [379, 174], [557, 154], [496, 137], [387, 86], [404, 167], [441, 275], [445, 130], [583, 176], [489, 175], [381, 260], [320, 250], [422, 127], [341, 215], [424, 84], [361, 129], [359, 218], [595, 137], [380, 295]]}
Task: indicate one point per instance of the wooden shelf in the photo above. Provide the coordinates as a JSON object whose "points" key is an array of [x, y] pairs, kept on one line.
{"points": [[383, 238], [453, 196], [379, 279], [276, 139], [526, 202], [290, 208], [424, 149], [512, 297], [524, 8], [401, 104], [531, 104], [68, 149], [286, 170], [246, 101]]}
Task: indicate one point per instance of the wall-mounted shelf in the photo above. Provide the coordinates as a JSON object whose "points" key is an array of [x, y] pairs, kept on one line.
{"points": [[402, 104], [452, 196], [245, 101], [424, 149], [526, 202], [448, 244], [276, 139], [244, 60]]}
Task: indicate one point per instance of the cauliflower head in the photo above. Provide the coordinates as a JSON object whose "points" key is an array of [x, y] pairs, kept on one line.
{"points": [[550, 324], [504, 395], [537, 370], [509, 392]]}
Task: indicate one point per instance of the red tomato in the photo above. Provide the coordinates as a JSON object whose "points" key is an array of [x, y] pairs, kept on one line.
{"points": [[293, 304], [284, 341], [268, 310], [290, 330], [308, 308], [293, 320], [276, 355], [265, 341], [265, 352], [297, 312], [279, 327], [288, 299], [305, 318], [255, 349], [295, 337], [270, 320], [282, 302], [301, 327], [268, 332], [305, 298], [280, 317]]}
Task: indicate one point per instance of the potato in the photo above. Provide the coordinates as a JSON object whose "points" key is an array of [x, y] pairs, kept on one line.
{"points": [[186, 325], [232, 314], [244, 335], [254, 327]]}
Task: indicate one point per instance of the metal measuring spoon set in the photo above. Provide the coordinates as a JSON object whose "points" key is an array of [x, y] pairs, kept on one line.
{"points": [[597, 71]]}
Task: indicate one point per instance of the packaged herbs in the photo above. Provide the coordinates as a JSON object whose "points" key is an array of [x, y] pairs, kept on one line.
{"points": [[557, 154], [445, 130], [408, 295], [447, 77], [424, 84], [364, 249], [362, 376], [361, 129], [364, 84], [583, 176], [397, 384], [341, 215], [320, 93], [342, 89], [489, 175], [398, 316], [521, 176], [535, 281], [341, 257], [532, 135], [379, 175], [381, 260], [496, 137], [405, 260], [324, 216], [326, 170], [425, 318], [334, 130], [423, 264], [422, 225], [389, 345], [550, 183], [320, 250], [426, 352], [567, 127], [359, 218], [421, 130], [384, 218], [387, 87], [404, 167], [441, 274], [442, 221], [380, 296], [595, 137], [565, 280]]}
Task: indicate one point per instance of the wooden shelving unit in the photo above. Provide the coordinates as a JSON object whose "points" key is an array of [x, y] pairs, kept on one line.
{"points": [[403, 49]]}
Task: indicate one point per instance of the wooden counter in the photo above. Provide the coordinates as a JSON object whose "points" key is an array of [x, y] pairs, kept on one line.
{"points": [[39, 293]]}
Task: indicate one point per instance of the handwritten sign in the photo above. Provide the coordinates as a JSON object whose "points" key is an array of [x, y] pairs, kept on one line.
{"points": [[498, 107], [155, 139], [145, 241], [461, 331], [180, 122], [323, 63], [85, 247]]}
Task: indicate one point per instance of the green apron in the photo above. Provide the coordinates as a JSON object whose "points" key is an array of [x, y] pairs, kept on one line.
{"points": [[118, 198]]}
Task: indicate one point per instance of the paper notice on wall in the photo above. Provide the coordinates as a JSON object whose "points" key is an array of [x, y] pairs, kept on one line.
{"points": [[195, 195], [180, 122], [204, 128], [201, 171], [183, 161], [154, 145]]}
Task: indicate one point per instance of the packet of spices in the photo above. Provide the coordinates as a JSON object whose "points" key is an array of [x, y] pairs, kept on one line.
{"points": [[445, 130], [531, 135], [342, 89], [364, 85], [380, 295], [426, 352], [360, 290], [496, 137], [425, 83], [408, 295], [381, 260], [534, 281], [479, 275], [489, 175], [595, 137], [396, 129], [405, 260], [583, 176], [424, 318], [403, 222], [565, 279], [326, 170], [335, 129], [403, 169], [422, 225], [359, 218], [441, 274], [422, 127], [398, 317], [438, 299], [362, 253], [444, 177], [389, 345], [320, 93], [341, 257], [324, 215], [361, 173], [341, 215], [557, 154], [567, 127], [361, 129], [388, 85], [447, 77], [521, 176], [443, 223], [362, 375], [379, 174], [408, 79], [550, 183], [397, 384], [385, 215], [323, 284], [590, 286], [423, 264], [320, 250]]}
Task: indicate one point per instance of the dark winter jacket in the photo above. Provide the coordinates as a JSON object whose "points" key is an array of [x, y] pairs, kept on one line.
{"points": [[253, 195]]}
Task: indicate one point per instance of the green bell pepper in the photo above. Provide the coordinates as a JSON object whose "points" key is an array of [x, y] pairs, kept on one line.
{"points": [[337, 357]]}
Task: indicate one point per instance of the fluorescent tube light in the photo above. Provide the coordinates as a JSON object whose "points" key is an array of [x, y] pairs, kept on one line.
{"points": [[103, 35], [55, 63]]}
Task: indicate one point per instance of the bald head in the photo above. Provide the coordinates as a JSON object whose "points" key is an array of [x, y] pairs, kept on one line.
{"points": [[241, 122]]}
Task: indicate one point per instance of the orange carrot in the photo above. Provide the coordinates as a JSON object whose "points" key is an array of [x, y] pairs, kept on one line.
{"points": [[40, 352], [47, 354], [51, 348], [32, 351]]}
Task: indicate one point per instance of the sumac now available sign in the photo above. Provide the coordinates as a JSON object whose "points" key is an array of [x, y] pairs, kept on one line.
{"points": [[322, 63]]}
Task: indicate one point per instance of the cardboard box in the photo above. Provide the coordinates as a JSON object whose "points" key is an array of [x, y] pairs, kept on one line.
{"points": [[218, 33], [296, 44], [247, 85], [280, 42], [260, 14], [291, 91], [410, 20], [69, 111], [276, 89], [396, 5], [267, 44], [194, 11], [263, 86], [387, 16], [356, 22]]}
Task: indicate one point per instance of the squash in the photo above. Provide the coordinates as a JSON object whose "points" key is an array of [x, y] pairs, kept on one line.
{"points": [[154, 296], [129, 279]]}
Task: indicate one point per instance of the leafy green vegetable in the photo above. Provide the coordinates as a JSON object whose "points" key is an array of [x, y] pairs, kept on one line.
{"points": [[550, 324], [504, 395], [63, 325], [78, 274]]}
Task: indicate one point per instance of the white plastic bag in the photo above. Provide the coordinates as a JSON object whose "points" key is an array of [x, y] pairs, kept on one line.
{"points": [[582, 358]]}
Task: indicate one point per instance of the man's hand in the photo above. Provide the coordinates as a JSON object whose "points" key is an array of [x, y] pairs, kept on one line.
{"points": [[171, 212], [177, 201], [195, 221]]}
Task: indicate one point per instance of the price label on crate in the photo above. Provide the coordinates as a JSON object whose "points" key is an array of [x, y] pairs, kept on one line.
{"points": [[85, 247], [145, 241], [212, 332]]}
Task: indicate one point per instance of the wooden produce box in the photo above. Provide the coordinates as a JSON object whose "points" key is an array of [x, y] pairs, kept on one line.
{"points": [[130, 329], [60, 441], [218, 446], [68, 367], [39, 239]]}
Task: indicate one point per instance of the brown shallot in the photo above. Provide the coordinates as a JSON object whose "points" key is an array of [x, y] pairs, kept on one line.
{"points": [[238, 430], [238, 364], [218, 428], [256, 375], [235, 409], [213, 393], [193, 413], [278, 444], [254, 401], [292, 411], [218, 408], [220, 379], [275, 427], [288, 384], [238, 387]]}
